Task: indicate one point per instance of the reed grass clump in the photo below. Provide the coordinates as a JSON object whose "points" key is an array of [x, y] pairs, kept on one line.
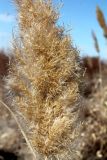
{"points": [[43, 81], [94, 145]]}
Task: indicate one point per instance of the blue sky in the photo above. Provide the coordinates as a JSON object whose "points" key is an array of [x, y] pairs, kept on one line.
{"points": [[7, 22], [77, 15]]}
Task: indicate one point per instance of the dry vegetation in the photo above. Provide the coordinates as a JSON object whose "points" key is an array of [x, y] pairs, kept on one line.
{"points": [[94, 145], [11, 143], [4, 61], [44, 93], [43, 81]]}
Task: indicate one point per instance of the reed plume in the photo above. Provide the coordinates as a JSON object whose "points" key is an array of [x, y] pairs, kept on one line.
{"points": [[100, 17], [43, 80], [101, 20], [95, 42]]}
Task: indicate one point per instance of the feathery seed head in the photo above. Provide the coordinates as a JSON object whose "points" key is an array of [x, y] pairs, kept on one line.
{"points": [[101, 20], [100, 17], [44, 78], [95, 42]]}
